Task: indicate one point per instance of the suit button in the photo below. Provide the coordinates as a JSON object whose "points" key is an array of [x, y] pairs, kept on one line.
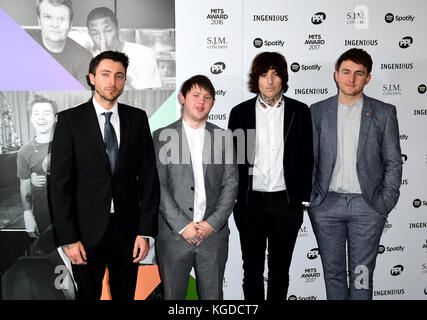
{"points": [[192, 188], [191, 209]]}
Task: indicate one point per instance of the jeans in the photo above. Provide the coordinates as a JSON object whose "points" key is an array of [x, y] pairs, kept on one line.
{"points": [[346, 219], [268, 223]]}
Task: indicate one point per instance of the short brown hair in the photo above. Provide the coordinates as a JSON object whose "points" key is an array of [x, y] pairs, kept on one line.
{"points": [[264, 62], [57, 3], [38, 98], [200, 81], [356, 55]]}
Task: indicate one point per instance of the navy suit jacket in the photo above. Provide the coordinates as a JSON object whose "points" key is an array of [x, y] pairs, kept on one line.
{"points": [[379, 161]]}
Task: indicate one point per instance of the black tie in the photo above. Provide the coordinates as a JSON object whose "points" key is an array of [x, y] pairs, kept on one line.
{"points": [[110, 140]]}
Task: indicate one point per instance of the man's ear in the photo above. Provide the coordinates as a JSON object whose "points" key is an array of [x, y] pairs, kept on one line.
{"points": [[181, 98], [92, 79], [368, 79]]}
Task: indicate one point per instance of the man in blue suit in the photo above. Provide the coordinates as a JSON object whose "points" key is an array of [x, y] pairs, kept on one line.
{"points": [[356, 177]]}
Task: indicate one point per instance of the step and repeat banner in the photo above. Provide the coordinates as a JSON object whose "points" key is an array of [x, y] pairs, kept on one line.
{"points": [[172, 40], [221, 38]]}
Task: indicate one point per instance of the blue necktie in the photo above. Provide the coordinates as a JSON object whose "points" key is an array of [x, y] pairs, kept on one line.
{"points": [[110, 140]]}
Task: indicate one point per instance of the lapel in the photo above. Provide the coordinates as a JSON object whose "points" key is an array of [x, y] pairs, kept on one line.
{"points": [[288, 118], [365, 122], [93, 131], [124, 133], [184, 149], [251, 124], [208, 148], [331, 120]]}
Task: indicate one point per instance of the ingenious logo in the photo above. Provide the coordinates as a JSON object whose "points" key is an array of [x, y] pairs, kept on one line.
{"points": [[397, 66], [270, 18]]}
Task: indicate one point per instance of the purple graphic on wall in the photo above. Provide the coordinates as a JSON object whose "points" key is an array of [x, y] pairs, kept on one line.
{"points": [[27, 66]]}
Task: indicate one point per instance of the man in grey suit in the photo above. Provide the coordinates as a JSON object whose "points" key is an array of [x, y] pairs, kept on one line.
{"points": [[198, 183], [356, 177]]}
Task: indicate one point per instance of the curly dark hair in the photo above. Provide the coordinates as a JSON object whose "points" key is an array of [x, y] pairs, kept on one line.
{"points": [[264, 62]]}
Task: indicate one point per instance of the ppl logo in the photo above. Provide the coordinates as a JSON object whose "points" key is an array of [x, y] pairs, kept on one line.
{"points": [[218, 67], [396, 270], [318, 18], [422, 89], [406, 42], [313, 254]]}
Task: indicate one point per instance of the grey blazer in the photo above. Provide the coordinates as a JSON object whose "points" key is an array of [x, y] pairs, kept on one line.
{"points": [[177, 180], [379, 161]]}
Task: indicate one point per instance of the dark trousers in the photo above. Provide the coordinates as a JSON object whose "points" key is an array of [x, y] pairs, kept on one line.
{"points": [[115, 252], [268, 219]]}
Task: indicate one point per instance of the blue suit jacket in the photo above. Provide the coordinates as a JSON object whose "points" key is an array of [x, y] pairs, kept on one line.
{"points": [[379, 161]]}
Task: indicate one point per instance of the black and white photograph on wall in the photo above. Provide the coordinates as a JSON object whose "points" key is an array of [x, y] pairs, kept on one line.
{"points": [[27, 122], [74, 31]]}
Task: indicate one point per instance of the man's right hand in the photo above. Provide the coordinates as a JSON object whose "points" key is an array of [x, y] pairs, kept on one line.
{"points": [[190, 234], [38, 180], [76, 253]]}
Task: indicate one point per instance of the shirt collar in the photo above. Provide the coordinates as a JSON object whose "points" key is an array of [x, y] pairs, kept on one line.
{"points": [[355, 105], [265, 107], [100, 109], [191, 130]]}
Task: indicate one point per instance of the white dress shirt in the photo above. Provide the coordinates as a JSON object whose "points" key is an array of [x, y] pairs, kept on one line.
{"points": [[114, 120], [344, 177], [195, 138], [268, 173]]}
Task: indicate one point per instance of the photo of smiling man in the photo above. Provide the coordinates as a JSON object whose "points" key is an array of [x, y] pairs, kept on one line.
{"points": [[55, 19], [33, 166]]}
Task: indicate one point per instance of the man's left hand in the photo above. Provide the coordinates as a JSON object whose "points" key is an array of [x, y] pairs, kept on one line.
{"points": [[204, 229], [141, 245]]}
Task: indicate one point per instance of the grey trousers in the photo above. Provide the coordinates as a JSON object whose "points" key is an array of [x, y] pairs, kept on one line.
{"points": [[177, 258]]}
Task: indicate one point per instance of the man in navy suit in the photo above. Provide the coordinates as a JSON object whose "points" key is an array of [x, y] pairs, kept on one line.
{"points": [[356, 177], [104, 185]]}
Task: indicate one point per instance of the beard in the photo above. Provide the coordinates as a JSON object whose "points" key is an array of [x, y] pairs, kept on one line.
{"points": [[104, 94]]}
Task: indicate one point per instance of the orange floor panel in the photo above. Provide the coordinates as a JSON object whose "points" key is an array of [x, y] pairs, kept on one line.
{"points": [[148, 280]]}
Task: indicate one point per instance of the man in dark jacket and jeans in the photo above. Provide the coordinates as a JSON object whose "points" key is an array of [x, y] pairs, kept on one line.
{"points": [[275, 133]]}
